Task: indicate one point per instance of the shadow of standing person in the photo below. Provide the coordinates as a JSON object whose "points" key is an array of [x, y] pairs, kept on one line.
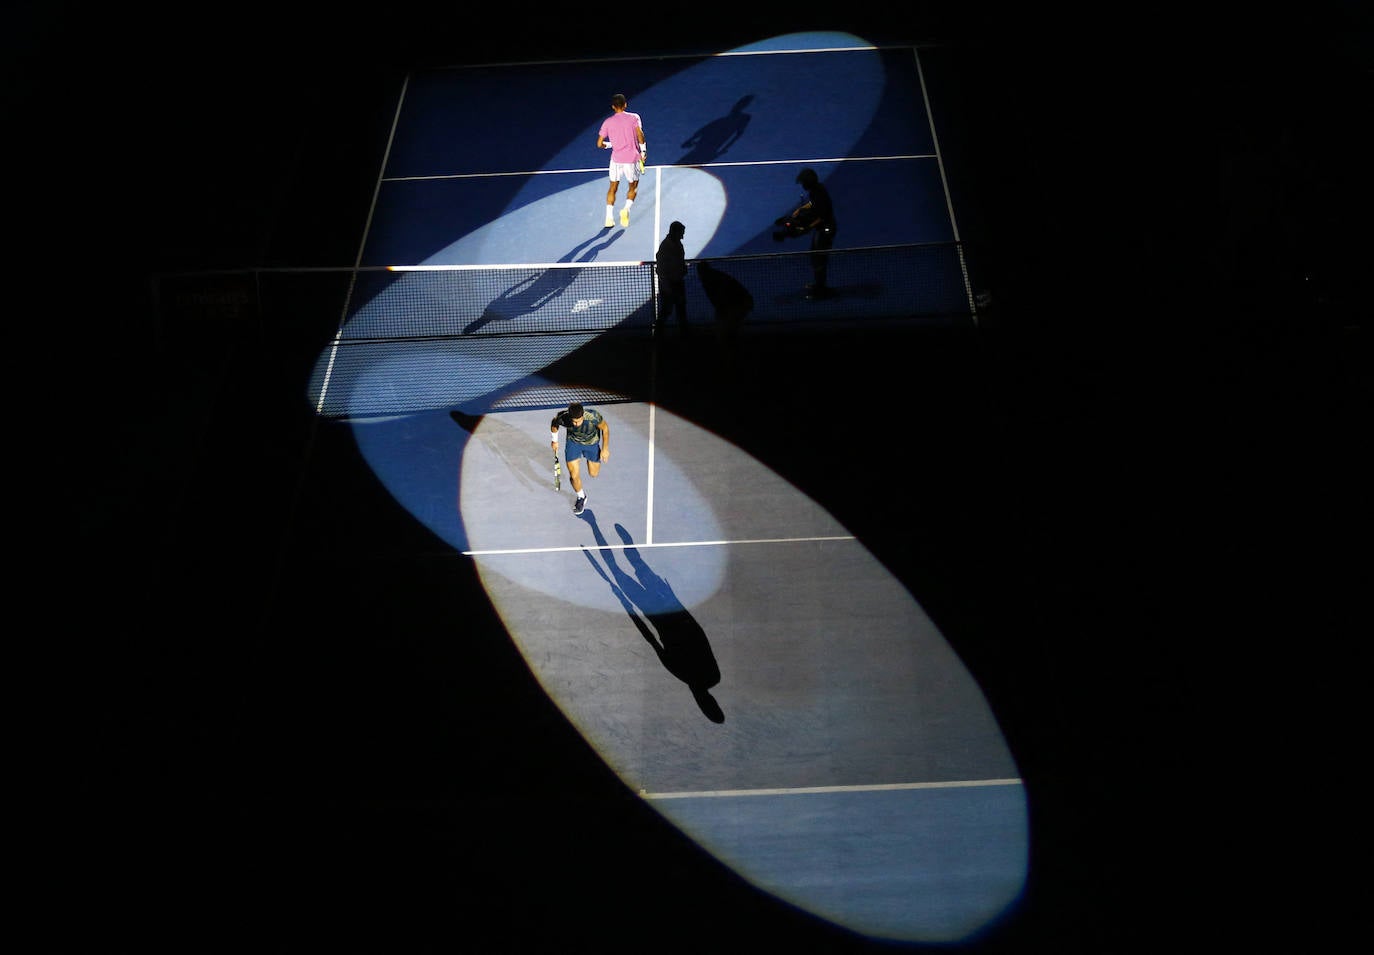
{"points": [[730, 299], [666, 625], [717, 136]]}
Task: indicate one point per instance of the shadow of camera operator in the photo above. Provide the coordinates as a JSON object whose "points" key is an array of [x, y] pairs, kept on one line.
{"points": [[666, 625]]}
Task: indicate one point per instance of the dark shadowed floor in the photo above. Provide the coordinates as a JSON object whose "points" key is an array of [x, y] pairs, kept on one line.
{"points": [[1140, 535]]}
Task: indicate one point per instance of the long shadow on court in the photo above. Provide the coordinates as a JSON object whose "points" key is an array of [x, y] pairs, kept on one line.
{"points": [[716, 137], [674, 634], [529, 295]]}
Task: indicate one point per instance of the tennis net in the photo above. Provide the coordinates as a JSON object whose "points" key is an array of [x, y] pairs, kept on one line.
{"points": [[402, 340]]}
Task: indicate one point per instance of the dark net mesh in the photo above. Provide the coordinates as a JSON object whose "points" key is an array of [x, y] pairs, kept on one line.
{"points": [[473, 374], [502, 300], [894, 282], [380, 342]]}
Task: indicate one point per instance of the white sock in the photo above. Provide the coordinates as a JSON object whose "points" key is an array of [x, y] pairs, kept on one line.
{"points": [[581, 495], [628, 203]]}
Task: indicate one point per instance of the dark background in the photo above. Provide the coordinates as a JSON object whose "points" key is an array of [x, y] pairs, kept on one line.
{"points": [[1171, 214]]}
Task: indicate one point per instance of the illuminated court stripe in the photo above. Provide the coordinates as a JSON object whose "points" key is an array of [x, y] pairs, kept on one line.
{"points": [[649, 506], [666, 165], [857, 48], [520, 266], [815, 49], [712, 793], [720, 543]]}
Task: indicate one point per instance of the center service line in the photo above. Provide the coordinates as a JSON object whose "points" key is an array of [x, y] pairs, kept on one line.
{"points": [[649, 493], [719, 543], [880, 787]]}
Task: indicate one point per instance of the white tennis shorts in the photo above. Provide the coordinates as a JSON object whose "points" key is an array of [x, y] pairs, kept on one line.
{"points": [[629, 171]]}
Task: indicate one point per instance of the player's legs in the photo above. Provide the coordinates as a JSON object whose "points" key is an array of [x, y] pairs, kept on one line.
{"points": [[592, 452], [610, 197], [667, 301], [574, 453], [677, 294]]}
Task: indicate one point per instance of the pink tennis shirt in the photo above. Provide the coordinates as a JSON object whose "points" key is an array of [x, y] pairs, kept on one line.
{"points": [[620, 128]]}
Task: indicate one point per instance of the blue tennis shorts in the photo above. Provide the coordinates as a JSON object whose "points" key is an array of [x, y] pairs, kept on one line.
{"points": [[572, 450]]}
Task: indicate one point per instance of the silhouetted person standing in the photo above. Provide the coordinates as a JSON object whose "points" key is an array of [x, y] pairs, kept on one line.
{"points": [[817, 216], [671, 262]]}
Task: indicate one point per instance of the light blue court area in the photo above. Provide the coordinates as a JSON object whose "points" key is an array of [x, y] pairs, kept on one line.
{"points": [[728, 210], [737, 658], [927, 864]]}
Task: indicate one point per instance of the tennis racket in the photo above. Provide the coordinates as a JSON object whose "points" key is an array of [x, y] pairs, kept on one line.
{"points": [[557, 473]]}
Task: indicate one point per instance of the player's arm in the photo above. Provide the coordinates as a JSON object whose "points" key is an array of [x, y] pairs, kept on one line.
{"points": [[553, 432], [605, 430]]}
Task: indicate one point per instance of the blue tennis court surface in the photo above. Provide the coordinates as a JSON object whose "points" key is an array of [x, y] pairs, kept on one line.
{"points": [[859, 776], [886, 624], [728, 210], [727, 136]]}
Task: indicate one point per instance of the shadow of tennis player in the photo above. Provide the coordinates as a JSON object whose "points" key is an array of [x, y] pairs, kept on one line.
{"points": [[665, 624], [533, 293], [717, 136]]}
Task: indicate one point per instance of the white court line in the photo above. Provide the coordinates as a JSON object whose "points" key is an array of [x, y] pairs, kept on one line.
{"points": [[658, 208], [667, 165], [713, 793], [362, 245], [719, 543], [866, 48], [649, 515], [944, 182], [511, 267]]}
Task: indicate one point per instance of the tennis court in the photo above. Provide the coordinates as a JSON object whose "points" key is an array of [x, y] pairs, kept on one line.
{"points": [[730, 649], [467, 239], [882, 627]]}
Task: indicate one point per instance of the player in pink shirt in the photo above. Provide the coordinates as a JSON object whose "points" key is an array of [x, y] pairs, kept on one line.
{"points": [[623, 134]]}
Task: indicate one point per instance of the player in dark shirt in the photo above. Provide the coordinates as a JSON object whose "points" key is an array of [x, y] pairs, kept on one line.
{"points": [[588, 436]]}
